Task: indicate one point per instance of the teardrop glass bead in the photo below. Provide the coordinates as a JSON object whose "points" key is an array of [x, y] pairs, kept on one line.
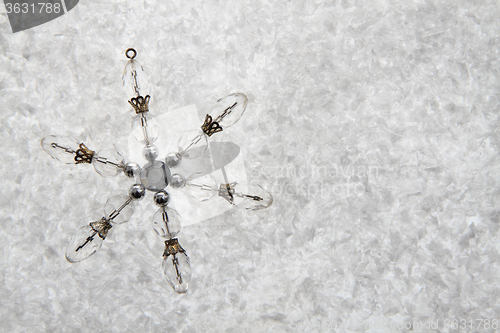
{"points": [[167, 222], [192, 144], [135, 80], [246, 196], [229, 109], [108, 163], [176, 266], [61, 148], [118, 209], [86, 241]]}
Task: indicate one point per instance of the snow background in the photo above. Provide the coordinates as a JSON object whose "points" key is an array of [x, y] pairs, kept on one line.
{"points": [[374, 125]]}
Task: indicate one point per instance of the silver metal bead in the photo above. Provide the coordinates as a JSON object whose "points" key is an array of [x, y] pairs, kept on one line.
{"points": [[173, 159], [150, 153], [177, 181], [162, 198], [137, 191], [131, 169]]}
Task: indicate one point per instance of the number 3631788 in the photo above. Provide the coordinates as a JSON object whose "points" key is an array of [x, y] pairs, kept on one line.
{"points": [[39, 7]]}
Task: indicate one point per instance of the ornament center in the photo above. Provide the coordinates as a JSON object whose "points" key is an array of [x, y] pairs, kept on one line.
{"points": [[155, 176]]}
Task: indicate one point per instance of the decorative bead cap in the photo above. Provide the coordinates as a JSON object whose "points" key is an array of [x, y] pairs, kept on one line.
{"points": [[83, 155], [226, 191], [140, 104], [172, 247], [101, 227], [210, 127]]}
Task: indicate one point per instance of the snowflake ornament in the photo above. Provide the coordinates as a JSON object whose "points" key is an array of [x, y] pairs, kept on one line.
{"points": [[156, 175]]}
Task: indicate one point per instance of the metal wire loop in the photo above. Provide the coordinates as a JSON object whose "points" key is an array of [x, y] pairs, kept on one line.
{"points": [[130, 50]]}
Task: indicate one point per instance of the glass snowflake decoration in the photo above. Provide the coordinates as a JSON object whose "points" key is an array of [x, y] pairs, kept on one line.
{"points": [[156, 175]]}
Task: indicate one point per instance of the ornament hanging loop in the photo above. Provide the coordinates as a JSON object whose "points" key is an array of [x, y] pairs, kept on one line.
{"points": [[130, 50]]}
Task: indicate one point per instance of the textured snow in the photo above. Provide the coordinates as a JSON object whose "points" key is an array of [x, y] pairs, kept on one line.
{"points": [[373, 123]]}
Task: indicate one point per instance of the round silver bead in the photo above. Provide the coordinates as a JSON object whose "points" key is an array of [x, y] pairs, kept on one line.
{"points": [[162, 198], [177, 181], [131, 170], [150, 153], [173, 159], [137, 191]]}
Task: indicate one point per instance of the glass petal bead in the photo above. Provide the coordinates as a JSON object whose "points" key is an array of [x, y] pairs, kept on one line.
{"points": [[84, 243], [135, 80], [61, 148], [176, 266], [229, 109]]}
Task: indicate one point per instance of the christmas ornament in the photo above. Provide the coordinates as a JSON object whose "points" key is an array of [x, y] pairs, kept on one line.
{"points": [[156, 175]]}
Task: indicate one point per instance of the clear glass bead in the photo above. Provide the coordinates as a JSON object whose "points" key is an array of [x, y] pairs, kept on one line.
{"points": [[229, 109], [61, 148], [108, 163], [176, 267], [135, 80], [192, 144], [145, 128], [118, 209], [84, 243], [167, 222], [201, 187]]}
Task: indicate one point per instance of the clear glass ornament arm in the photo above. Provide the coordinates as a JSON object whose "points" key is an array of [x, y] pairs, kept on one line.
{"points": [[66, 149]]}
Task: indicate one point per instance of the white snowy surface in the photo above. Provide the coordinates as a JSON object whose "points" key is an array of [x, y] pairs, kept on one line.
{"points": [[373, 123]]}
